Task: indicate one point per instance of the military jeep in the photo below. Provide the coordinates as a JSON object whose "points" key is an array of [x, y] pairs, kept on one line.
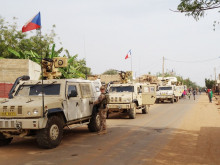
{"points": [[67, 103], [126, 98]]}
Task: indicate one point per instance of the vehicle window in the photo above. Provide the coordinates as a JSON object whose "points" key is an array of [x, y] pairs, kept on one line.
{"points": [[86, 92], [146, 89], [71, 88], [36, 90], [152, 89], [121, 89], [97, 89], [165, 88]]}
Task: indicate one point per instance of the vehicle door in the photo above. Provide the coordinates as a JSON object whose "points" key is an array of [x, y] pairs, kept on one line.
{"points": [[73, 101], [86, 99], [148, 94], [139, 94]]}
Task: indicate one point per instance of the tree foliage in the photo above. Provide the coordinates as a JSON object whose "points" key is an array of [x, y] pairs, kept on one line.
{"points": [[197, 8], [11, 38], [110, 72], [209, 83], [17, 45]]}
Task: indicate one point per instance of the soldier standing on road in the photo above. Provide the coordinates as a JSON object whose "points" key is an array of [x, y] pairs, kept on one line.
{"points": [[102, 106]]}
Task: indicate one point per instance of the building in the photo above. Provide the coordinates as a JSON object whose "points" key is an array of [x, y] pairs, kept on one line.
{"points": [[11, 69]]}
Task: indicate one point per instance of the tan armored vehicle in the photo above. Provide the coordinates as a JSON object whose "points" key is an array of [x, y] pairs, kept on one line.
{"points": [[165, 93], [66, 103], [127, 97]]}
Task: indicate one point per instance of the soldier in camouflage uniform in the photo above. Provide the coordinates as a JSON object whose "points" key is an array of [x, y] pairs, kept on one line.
{"points": [[102, 104]]}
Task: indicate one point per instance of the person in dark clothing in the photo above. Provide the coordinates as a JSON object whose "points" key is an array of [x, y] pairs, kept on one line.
{"points": [[194, 94]]}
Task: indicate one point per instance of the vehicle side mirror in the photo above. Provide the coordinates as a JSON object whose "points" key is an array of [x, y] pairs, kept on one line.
{"points": [[73, 93]]}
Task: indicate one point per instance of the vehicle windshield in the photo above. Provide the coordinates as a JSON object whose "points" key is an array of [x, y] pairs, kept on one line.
{"points": [[165, 88], [122, 89], [36, 90]]}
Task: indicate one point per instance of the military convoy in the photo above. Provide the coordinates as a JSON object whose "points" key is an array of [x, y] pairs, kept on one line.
{"points": [[41, 109]]}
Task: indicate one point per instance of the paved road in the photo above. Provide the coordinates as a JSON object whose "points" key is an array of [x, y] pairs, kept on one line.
{"points": [[128, 141]]}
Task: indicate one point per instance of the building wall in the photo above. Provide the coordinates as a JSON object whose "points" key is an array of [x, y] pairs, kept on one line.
{"points": [[11, 69], [5, 89]]}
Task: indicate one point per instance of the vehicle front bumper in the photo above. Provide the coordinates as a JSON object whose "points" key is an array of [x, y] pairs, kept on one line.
{"points": [[119, 106], [20, 124], [164, 96]]}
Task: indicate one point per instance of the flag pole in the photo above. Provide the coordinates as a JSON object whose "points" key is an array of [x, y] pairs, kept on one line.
{"points": [[131, 67], [42, 78]]}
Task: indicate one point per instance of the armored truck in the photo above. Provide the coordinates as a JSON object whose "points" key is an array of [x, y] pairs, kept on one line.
{"points": [[126, 98], [42, 111], [165, 93]]}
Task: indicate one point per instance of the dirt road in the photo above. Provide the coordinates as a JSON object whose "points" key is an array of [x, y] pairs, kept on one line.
{"points": [[187, 132]]}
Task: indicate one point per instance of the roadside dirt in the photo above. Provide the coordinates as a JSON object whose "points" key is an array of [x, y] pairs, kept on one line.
{"points": [[197, 141]]}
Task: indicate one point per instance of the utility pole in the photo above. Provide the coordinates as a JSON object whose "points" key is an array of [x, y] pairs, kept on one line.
{"points": [[215, 72], [163, 69]]}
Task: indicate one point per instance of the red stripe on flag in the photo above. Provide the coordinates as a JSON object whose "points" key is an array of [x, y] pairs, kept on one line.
{"points": [[30, 26]]}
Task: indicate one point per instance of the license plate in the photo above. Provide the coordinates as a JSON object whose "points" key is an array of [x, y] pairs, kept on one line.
{"points": [[8, 114]]}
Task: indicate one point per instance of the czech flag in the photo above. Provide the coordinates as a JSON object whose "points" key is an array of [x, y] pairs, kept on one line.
{"points": [[34, 23], [128, 55]]}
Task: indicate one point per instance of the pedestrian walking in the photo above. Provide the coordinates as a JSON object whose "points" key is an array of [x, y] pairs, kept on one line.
{"points": [[102, 106], [189, 94], [194, 94], [210, 95], [184, 94]]}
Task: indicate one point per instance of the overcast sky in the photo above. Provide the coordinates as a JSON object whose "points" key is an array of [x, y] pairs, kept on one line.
{"points": [[103, 31]]}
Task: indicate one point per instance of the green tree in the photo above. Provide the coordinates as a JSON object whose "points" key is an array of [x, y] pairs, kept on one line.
{"points": [[110, 72], [13, 39], [75, 69], [209, 83], [197, 8]]}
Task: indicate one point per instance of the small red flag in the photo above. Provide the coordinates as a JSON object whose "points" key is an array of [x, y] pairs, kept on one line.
{"points": [[128, 55]]}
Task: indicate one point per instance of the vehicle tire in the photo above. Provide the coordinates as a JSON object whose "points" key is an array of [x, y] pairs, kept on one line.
{"points": [[51, 136], [172, 100], [4, 141], [157, 101], [95, 122], [132, 113], [145, 110], [107, 114]]}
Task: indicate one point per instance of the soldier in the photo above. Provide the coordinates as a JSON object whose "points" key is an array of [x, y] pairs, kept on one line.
{"points": [[102, 106]]}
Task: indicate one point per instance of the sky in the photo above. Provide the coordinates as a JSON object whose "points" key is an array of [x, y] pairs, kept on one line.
{"points": [[103, 31]]}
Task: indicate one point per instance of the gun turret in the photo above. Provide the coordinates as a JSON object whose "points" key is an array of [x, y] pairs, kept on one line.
{"points": [[50, 67], [125, 76]]}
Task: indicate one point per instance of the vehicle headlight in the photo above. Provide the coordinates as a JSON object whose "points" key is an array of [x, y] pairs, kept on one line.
{"points": [[28, 113], [35, 111]]}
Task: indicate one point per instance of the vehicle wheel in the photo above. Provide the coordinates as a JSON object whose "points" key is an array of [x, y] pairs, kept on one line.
{"points": [[4, 141], [172, 100], [95, 122], [51, 135], [132, 113], [157, 101], [107, 114], [145, 110]]}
